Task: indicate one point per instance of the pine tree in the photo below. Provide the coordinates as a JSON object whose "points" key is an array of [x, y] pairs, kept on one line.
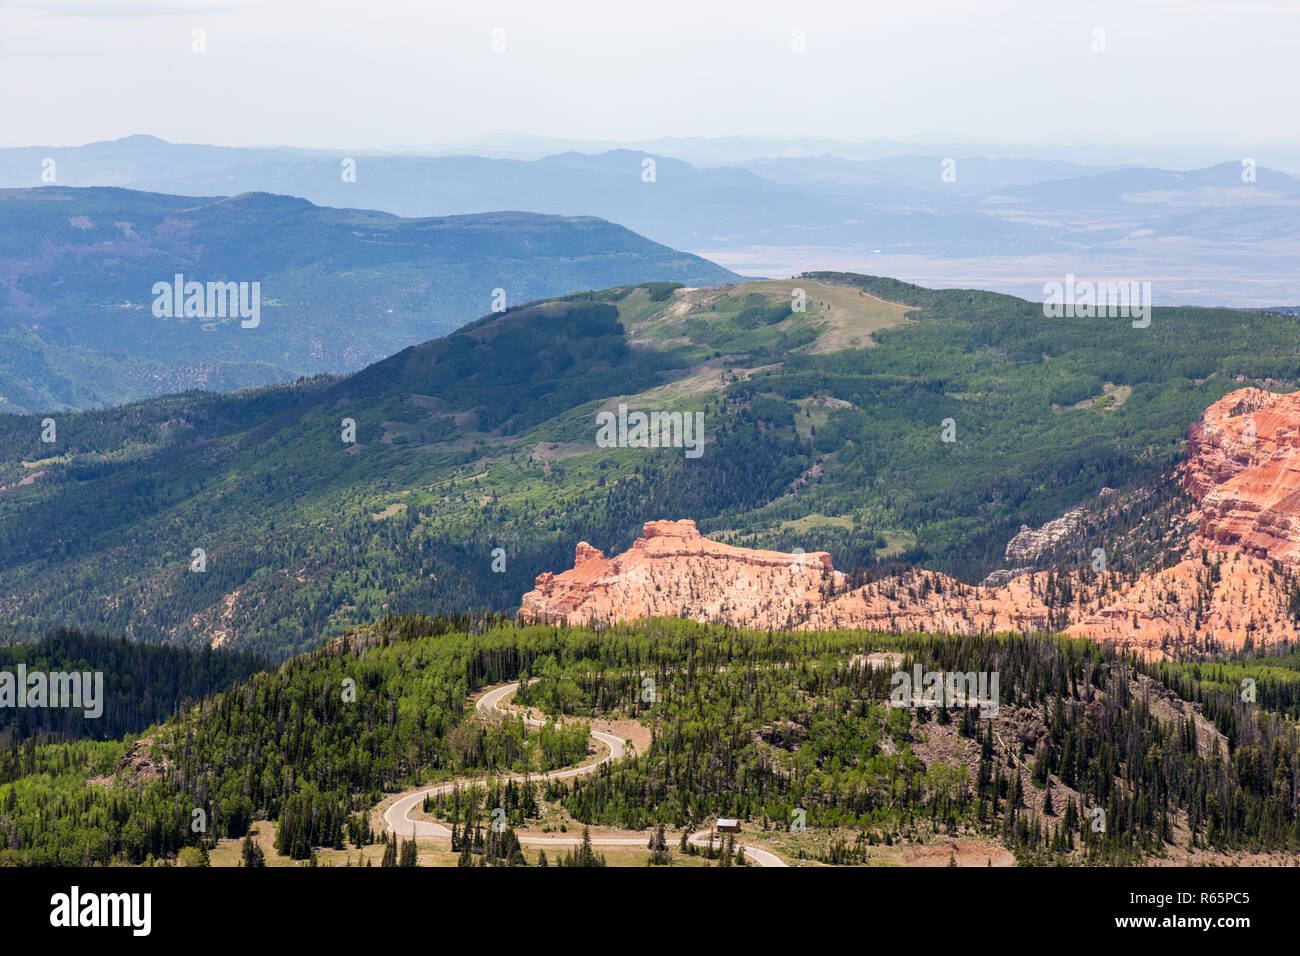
{"points": [[659, 852], [251, 853], [586, 856], [409, 854]]}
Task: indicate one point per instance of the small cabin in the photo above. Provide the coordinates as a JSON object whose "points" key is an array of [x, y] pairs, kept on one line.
{"points": [[728, 825]]}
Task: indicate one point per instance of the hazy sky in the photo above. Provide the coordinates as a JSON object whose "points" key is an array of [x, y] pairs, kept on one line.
{"points": [[393, 73]]}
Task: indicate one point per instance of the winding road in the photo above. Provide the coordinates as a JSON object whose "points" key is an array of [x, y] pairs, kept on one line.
{"points": [[398, 819]]}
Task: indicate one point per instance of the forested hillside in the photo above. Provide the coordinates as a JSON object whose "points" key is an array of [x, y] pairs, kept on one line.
{"points": [[143, 684], [476, 463], [748, 724], [759, 726]]}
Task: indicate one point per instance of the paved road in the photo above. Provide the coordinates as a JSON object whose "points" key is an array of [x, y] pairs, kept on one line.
{"points": [[398, 816]]}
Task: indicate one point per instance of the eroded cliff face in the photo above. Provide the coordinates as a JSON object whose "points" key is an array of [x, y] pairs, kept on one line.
{"points": [[1243, 466], [1232, 586], [1214, 602], [673, 571]]}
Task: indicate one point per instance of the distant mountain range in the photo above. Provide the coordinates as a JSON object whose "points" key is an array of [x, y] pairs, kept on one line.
{"points": [[916, 171], [80, 268], [739, 150], [675, 203], [1221, 234]]}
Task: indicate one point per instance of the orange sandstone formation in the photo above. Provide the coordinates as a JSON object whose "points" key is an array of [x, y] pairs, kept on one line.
{"points": [[1188, 609], [674, 571], [1242, 465], [1232, 587]]}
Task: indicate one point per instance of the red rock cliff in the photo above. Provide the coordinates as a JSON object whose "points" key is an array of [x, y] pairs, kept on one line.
{"points": [[1242, 465], [674, 571]]}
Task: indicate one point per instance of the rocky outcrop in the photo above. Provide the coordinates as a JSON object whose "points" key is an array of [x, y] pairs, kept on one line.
{"points": [[1035, 547], [1243, 466], [1031, 544], [927, 601], [673, 570], [1232, 587], [1226, 441], [995, 579], [1214, 603]]}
